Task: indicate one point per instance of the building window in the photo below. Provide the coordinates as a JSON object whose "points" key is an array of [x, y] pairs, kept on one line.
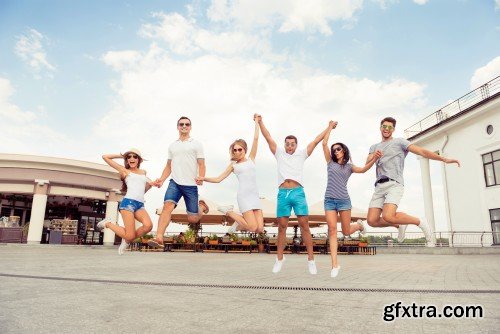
{"points": [[495, 225], [491, 165]]}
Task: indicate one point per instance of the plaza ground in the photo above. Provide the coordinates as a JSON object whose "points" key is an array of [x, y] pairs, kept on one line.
{"points": [[48, 289]]}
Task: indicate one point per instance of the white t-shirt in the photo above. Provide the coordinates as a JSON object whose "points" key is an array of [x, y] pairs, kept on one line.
{"points": [[184, 156], [290, 166]]}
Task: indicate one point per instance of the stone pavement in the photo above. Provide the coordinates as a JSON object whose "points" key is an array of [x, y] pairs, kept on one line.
{"points": [[59, 289]]}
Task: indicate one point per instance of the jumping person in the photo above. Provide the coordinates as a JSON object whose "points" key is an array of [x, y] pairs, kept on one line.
{"points": [[186, 162], [252, 219], [337, 200], [291, 192], [135, 184], [389, 186]]}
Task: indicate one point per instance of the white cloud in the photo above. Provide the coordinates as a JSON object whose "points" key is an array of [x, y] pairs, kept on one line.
{"points": [[184, 37], [22, 129], [293, 15], [420, 2], [486, 73], [220, 95], [497, 4], [30, 49]]}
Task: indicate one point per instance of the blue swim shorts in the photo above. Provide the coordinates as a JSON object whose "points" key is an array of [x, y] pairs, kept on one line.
{"points": [[293, 198]]}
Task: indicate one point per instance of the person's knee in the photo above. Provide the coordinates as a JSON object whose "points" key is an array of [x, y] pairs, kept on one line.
{"points": [[193, 219], [129, 237], [372, 220], [332, 230], [148, 227], [389, 218]]}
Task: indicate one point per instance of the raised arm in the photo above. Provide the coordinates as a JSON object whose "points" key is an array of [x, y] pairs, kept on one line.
{"points": [[266, 134], [255, 143], [431, 155], [369, 162], [166, 173], [312, 145], [326, 151], [109, 160], [217, 179]]}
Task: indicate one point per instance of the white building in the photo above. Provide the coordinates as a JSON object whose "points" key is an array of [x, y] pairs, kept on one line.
{"points": [[467, 129]]}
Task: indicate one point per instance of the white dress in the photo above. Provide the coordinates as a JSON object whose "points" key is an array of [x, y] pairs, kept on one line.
{"points": [[248, 194]]}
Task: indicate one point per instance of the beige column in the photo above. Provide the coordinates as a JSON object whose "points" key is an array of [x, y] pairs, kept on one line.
{"points": [[111, 213], [38, 211], [427, 190]]}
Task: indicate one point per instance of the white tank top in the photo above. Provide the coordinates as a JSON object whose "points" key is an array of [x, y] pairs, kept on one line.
{"points": [[136, 186]]}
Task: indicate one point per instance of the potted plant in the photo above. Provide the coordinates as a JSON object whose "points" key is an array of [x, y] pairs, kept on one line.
{"points": [[262, 239], [234, 238], [246, 241], [190, 236], [146, 237], [213, 239], [363, 242]]}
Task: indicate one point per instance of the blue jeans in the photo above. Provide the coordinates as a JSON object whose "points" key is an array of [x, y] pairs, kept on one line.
{"points": [[190, 193], [293, 198], [337, 204], [131, 205]]}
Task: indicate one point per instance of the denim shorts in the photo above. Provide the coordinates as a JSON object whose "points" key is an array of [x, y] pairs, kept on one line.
{"points": [[337, 204], [131, 205], [288, 199], [190, 193]]}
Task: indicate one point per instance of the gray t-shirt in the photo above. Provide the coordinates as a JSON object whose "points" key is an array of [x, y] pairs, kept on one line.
{"points": [[392, 163]]}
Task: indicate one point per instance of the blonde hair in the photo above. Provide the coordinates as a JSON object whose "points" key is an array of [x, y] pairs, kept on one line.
{"points": [[240, 142]]}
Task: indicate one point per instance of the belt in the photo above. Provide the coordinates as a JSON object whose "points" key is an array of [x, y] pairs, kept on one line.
{"points": [[384, 180]]}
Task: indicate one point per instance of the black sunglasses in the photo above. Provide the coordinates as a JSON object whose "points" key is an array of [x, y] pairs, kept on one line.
{"points": [[337, 149], [130, 156], [184, 124], [237, 150]]}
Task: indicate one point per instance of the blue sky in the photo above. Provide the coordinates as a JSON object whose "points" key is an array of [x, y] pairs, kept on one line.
{"points": [[83, 78]]}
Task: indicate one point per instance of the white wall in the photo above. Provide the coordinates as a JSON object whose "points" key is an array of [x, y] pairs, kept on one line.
{"points": [[469, 198]]}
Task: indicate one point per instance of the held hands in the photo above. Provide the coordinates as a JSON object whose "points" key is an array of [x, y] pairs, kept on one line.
{"points": [[332, 124], [257, 118], [377, 154], [158, 183], [199, 180]]}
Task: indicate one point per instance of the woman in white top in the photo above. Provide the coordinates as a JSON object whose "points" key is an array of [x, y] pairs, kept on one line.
{"points": [[135, 184], [252, 219]]}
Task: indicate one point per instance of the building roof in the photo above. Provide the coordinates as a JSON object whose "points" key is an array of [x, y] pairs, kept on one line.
{"points": [[455, 109]]}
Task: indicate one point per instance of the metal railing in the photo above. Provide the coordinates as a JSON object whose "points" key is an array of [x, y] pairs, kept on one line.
{"points": [[413, 239], [467, 101]]}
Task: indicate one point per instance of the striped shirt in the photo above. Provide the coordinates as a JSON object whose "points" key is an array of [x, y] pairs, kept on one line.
{"points": [[338, 175]]}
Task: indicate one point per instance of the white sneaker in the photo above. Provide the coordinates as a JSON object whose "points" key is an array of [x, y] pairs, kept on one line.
{"points": [[277, 265], [312, 267], [233, 228], [123, 247], [334, 272], [428, 232], [225, 209], [102, 224], [401, 233], [364, 225]]}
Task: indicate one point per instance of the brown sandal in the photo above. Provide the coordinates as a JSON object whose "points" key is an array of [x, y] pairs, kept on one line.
{"points": [[202, 203]]}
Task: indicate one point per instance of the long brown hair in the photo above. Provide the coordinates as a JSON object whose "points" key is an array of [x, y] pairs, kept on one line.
{"points": [[127, 166], [240, 142]]}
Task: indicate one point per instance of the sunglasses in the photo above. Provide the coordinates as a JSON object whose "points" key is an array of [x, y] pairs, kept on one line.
{"points": [[387, 127], [130, 156], [290, 144], [184, 124], [237, 150], [337, 149]]}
